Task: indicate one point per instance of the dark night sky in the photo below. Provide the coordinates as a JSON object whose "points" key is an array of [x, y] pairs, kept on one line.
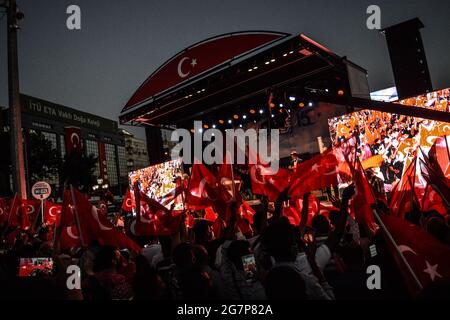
{"points": [[121, 42]]}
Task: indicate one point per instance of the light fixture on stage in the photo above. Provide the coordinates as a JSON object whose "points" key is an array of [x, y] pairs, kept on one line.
{"points": [[230, 121], [261, 111], [341, 92], [250, 70], [291, 98], [301, 105], [235, 116], [273, 116], [205, 126], [285, 55], [255, 68], [252, 111], [240, 126], [200, 130], [273, 60], [281, 105], [221, 121], [291, 52], [267, 62], [244, 116], [326, 90], [310, 104]]}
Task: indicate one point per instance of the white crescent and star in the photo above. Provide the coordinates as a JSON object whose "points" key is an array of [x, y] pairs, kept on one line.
{"points": [[70, 233], [128, 203], [51, 210], [95, 215], [74, 136], [431, 270], [193, 63]]}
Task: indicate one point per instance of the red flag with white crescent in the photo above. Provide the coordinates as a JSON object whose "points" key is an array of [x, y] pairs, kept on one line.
{"points": [[29, 209], [73, 139], [128, 202], [96, 226], [319, 172], [427, 257], [51, 211]]}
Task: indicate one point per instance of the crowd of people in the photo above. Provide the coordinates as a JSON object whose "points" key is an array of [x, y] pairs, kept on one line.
{"points": [[324, 261]]}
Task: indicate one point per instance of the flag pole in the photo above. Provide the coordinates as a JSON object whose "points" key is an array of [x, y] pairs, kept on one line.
{"points": [[77, 217], [400, 254]]}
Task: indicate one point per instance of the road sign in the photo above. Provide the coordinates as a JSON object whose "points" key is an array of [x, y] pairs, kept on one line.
{"points": [[41, 190]]}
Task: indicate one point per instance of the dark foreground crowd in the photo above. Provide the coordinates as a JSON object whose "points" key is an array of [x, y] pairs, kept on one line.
{"points": [[325, 261]]}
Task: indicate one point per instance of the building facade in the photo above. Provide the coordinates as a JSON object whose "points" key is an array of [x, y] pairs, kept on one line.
{"points": [[136, 151], [51, 119]]}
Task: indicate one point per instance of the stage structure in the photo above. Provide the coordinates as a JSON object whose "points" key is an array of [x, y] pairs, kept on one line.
{"points": [[254, 78]]}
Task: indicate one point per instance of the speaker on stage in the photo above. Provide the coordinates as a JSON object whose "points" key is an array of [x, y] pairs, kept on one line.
{"points": [[408, 59]]}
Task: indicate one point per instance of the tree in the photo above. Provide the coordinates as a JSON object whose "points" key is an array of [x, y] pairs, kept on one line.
{"points": [[78, 171], [42, 158]]}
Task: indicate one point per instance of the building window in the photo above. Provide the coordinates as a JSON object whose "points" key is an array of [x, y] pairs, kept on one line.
{"points": [[122, 161], [62, 139], [50, 137], [92, 149], [111, 164], [54, 180], [42, 125]]}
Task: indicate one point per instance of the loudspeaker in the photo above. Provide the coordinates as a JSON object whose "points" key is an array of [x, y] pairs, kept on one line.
{"points": [[409, 63]]}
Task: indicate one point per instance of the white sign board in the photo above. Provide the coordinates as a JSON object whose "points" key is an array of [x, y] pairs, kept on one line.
{"points": [[41, 190]]}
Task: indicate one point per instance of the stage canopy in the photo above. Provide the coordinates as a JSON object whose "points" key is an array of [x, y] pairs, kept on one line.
{"points": [[225, 77]]}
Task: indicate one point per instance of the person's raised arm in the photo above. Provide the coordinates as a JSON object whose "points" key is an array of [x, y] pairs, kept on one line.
{"points": [[335, 237], [304, 214]]}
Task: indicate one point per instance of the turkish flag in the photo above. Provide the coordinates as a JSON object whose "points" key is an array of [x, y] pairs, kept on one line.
{"points": [[265, 181], [70, 237], [435, 178], [30, 209], [292, 209], [210, 215], [201, 193], [156, 219], [291, 212], [316, 173], [51, 211], [326, 208], [246, 212], [432, 201], [440, 153], [205, 190], [128, 202], [363, 199], [73, 139], [403, 195], [95, 226], [428, 258]]}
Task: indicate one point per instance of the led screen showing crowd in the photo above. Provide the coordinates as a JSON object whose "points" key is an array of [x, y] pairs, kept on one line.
{"points": [[394, 137], [159, 182]]}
